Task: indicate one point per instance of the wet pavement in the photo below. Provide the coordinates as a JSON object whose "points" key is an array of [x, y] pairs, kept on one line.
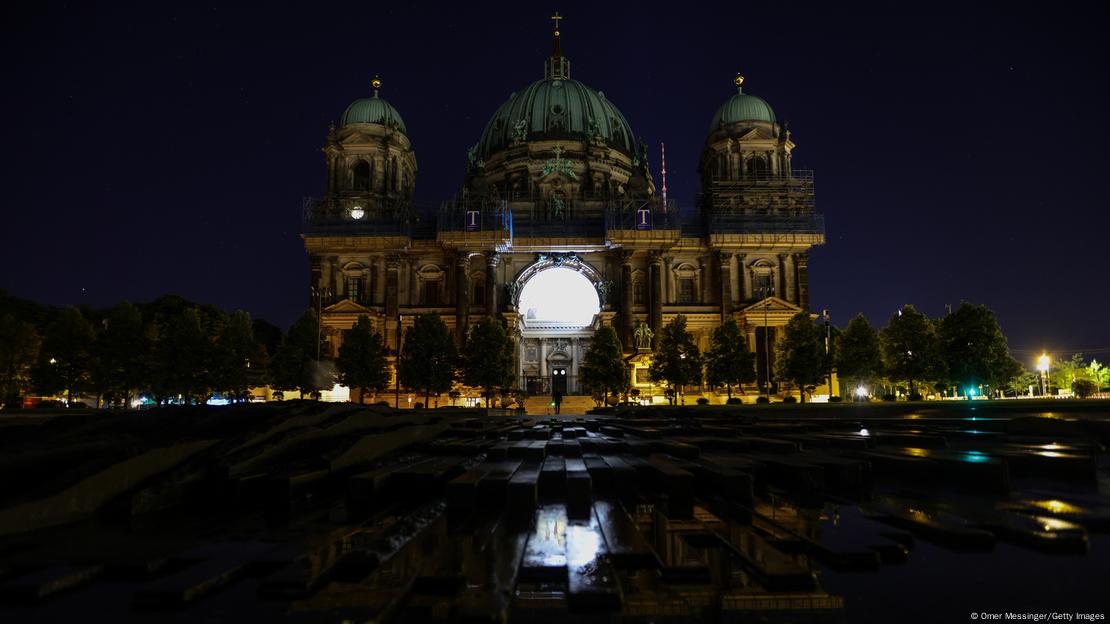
{"points": [[644, 516]]}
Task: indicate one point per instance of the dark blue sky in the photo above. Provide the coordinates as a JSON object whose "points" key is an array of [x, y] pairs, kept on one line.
{"points": [[960, 150]]}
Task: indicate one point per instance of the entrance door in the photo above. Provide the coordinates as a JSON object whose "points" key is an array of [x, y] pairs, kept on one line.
{"points": [[559, 380]]}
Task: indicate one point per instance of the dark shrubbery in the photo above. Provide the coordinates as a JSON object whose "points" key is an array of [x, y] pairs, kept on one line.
{"points": [[703, 401], [790, 399], [734, 401], [1084, 388], [835, 399], [916, 396], [889, 397], [762, 399]]}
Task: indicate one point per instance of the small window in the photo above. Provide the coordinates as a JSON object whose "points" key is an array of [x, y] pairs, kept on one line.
{"points": [[431, 292], [761, 285], [686, 290], [479, 293], [638, 293], [361, 181], [354, 289]]}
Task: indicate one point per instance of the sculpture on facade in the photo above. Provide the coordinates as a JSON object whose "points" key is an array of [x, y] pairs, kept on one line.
{"points": [[604, 287], [643, 336]]}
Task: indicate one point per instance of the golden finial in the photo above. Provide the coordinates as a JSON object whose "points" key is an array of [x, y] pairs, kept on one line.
{"points": [[376, 83], [739, 80], [555, 18]]}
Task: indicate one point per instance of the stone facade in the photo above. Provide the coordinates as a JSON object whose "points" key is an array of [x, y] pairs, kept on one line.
{"points": [[563, 190]]}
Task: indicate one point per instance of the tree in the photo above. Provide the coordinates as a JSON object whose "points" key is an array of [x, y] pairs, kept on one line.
{"points": [[911, 348], [603, 370], [122, 354], [65, 355], [974, 350], [1084, 388], [429, 357], [183, 354], [858, 356], [1063, 373], [487, 361], [287, 367], [677, 360], [728, 362], [800, 355], [19, 348], [361, 362], [304, 339], [1099, 374], [235, 351]]}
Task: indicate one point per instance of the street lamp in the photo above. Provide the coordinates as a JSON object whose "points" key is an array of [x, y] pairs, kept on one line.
{"points": [[828, 350], [768, 291], [1043, 363], [319, 294]]}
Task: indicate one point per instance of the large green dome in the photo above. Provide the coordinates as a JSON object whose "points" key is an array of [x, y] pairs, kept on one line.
{"points": [[373, 110], [557, 108], [742, 107]]}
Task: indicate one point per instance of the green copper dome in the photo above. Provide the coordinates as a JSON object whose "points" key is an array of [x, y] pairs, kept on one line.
{"points": [[742, 107], [556, 108], [373, 110]]}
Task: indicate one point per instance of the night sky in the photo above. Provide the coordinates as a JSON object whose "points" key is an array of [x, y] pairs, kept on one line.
{"points": [[960, 151]]}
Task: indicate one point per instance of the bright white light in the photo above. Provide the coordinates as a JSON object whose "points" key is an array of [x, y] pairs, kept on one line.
{"points": [[1042, 363], [861, 391], [560, 294], [357, 213], [864, 432]]}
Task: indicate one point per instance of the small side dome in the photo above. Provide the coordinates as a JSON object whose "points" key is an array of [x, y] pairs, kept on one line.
{"points": [[742, 107], [374, 110]]}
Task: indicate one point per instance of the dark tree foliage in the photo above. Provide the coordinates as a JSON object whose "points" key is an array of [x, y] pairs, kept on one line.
{"points": [[729, 362], [122, 355], [487, 361], [1084, 388], [236, 351], [800, 355], [183, 354], [287, 368], [859, 358], [911, 348], [603, 370], [19, 348], [362, 359], [677, 360], [974, 349], [429, 357], [64, 363], [305, 341], [267, 335]]}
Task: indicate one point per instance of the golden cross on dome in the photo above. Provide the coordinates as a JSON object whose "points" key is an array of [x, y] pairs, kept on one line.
{"points": [[555, 18]]}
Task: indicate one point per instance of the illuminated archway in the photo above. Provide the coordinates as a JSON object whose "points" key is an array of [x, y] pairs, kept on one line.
{"points": [[561, 295]]}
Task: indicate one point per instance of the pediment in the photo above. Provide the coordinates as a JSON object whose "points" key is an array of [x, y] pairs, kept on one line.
{"points": [[754, 134], [773, 305], [356, 138], [347, 306]]}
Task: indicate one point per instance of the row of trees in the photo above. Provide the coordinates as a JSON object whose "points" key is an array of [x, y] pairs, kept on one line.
{"points": [[965, 350], [429, 361], [169, 348]]}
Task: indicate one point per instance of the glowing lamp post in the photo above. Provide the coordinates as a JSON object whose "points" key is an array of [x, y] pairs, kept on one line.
{"points": [[1043, 364]]}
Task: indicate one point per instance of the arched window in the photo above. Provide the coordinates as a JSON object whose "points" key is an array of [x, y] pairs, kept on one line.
{"points": [[638, 295], [479, 292], [361, 176], [722, 165], [757, 167], [392, 175]]}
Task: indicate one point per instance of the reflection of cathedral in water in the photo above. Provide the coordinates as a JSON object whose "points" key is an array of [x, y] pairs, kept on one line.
{"points": [[557, 180]]}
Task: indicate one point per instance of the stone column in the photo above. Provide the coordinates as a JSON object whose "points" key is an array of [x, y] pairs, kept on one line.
{"points": [[627, 301], [392, 307], [573, 363], [780, 277], [724, 261], [705, 280], [333, 275], [746, 276], [669, 294], [791, 290], [774, 158], [735, 266], [543, 358], [462, 296], [655, 292], [802, 262], [492, 259], [379, 282]]}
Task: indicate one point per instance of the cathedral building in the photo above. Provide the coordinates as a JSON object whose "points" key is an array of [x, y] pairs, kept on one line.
{"points": [[557, 185]]}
